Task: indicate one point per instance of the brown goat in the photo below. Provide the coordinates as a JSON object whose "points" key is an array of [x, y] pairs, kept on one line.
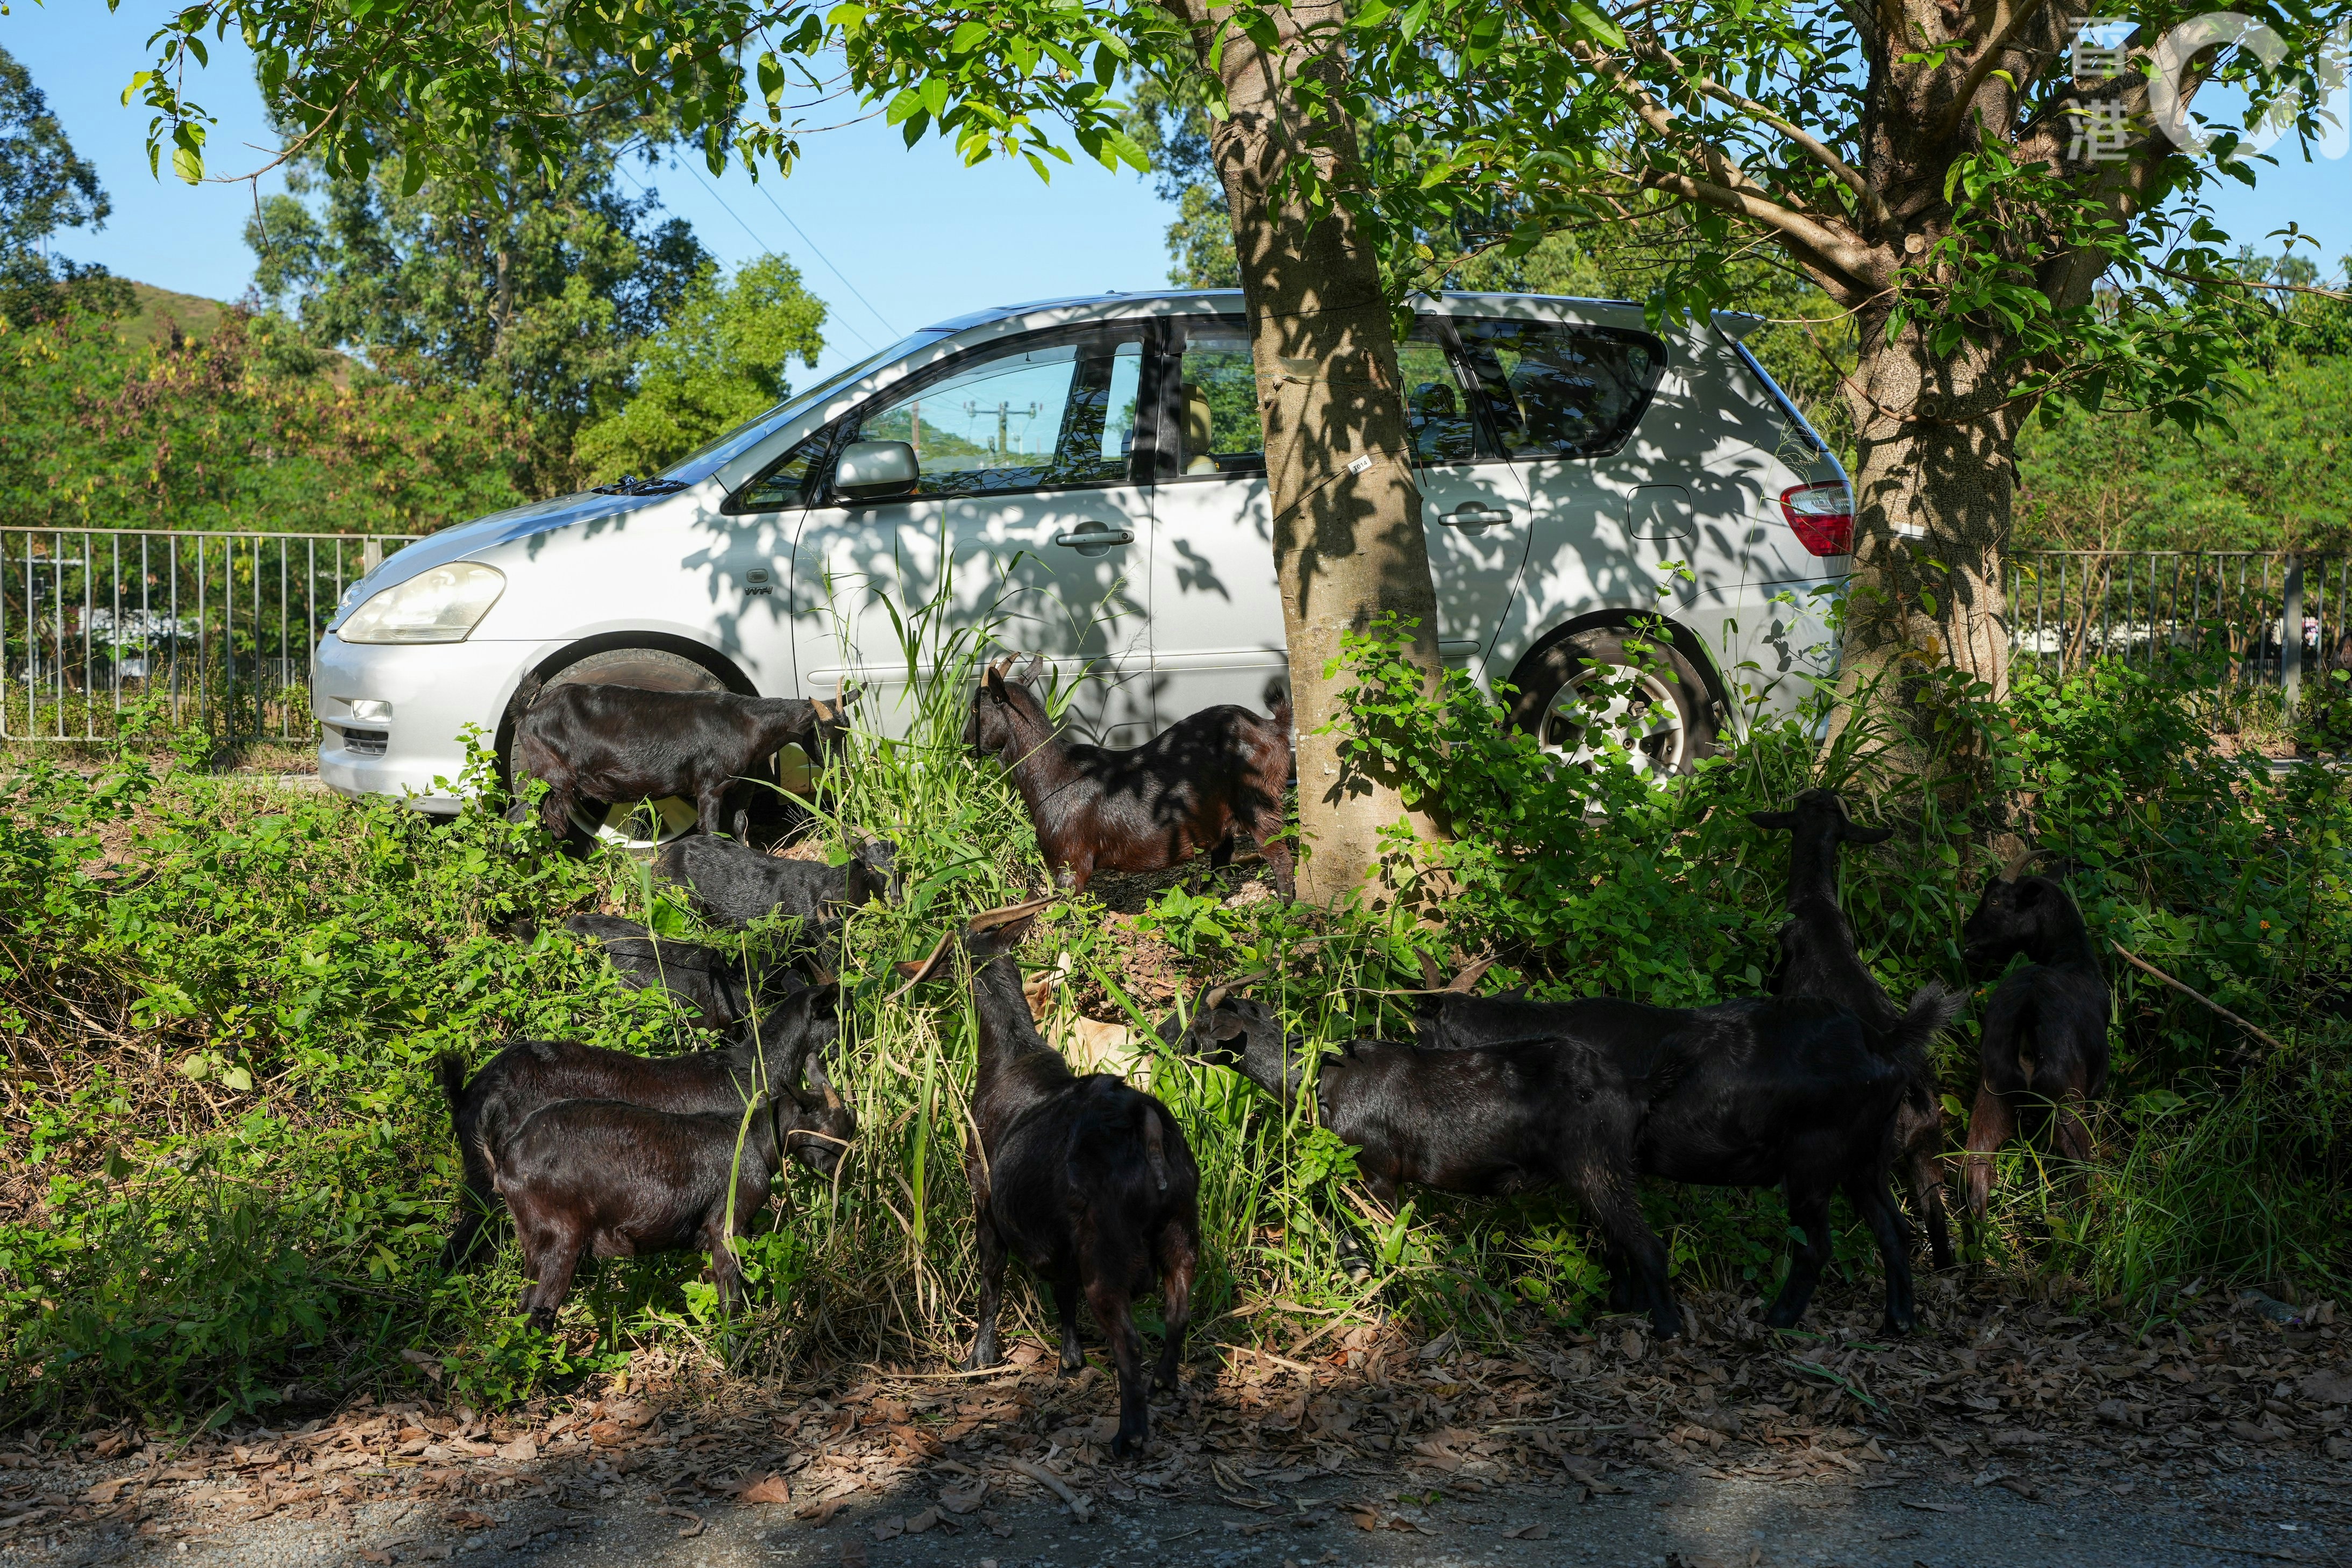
{"points": [[1213, 781]]}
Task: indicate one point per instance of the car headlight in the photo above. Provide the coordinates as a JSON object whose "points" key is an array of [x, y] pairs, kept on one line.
{"points": [[443, 605]]}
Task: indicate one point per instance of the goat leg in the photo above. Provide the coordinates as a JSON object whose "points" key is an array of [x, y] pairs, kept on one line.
{"points": [[1992, 1124], [991, 1246], [1926, 1179], [1869, 1197], [476, 1200], [550, 1260], [1065, 1307], [1111, 1304], [1637, 1258], [1809, 1210], [1178, 1257]]}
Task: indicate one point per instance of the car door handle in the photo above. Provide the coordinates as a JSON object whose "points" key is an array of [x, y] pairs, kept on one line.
{"points": [[1095, 534], [1471, 514]]}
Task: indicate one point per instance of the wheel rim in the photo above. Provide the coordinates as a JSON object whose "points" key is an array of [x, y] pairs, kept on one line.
{"points": [[640, 825], [1633, 708]]}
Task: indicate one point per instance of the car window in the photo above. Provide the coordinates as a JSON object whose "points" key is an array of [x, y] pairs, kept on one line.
{"points": [[1056, 414], [1557, 390], [1218, 427], [784, 482], [1438, 417]]}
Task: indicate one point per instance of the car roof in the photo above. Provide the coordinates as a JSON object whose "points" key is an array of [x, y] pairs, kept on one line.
{"points": [[1114, 305]]}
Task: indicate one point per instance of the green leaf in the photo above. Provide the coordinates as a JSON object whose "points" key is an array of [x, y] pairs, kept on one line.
{"points": [[1598, 27]]}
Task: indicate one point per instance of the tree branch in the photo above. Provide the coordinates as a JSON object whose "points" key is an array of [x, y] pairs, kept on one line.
{"points": [[1818, 247], [1995, 46], [1875, 211]]}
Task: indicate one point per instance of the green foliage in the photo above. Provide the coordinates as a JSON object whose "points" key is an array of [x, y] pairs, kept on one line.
{"points": [[541, 294], [246, 428], [719, 360]]}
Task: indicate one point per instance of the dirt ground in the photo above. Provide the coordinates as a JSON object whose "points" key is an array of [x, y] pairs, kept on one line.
{"points": [[2006, 1432]]}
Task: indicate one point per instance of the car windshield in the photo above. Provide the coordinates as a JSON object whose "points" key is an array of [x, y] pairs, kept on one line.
{"points": [[701, 464]]}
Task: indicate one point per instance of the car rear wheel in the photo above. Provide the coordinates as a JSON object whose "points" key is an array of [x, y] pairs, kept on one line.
{"points": [[640, 825], [1596, 692]]}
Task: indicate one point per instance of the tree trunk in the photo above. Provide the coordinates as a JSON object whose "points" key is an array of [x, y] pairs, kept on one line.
{"points": [[1935, 480], [1348, 540]]}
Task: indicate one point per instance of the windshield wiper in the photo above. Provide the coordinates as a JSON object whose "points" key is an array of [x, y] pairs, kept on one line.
{"points": [[629, 485]]}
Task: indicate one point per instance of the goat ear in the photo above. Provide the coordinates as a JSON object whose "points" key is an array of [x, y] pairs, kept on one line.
{"points": [[1858, 835], [994, 682], [1226, 1024], [2031, 892], [1773, 821], [847, 697], [1036, 671]]}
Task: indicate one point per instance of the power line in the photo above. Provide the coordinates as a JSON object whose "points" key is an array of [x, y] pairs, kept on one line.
{"points": [[796, 229], [821, 255], [757, 238]]}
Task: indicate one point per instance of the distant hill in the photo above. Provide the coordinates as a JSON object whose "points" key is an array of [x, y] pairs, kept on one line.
{"points": [[195, 316]]}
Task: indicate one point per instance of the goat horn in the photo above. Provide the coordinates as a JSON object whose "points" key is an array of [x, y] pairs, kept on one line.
{"points": [[1213, 998], [2016, 864], [920, 970], [1430, 973], [989, 919], [1470, 974]]}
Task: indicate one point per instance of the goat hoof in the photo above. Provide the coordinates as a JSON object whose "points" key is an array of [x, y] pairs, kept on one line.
{"points": [[976, 1362], [1125, 1446]]}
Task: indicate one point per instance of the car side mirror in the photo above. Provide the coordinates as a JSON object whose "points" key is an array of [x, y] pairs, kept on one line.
{"points": [[871, 471]]}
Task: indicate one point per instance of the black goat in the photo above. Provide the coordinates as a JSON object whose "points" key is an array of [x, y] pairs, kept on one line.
{"points": [[530, 1075], [615, 744], [1089, 1182], [718, 985], [1746, 1094], [1819, 958], [1487, 1121], [1213, 781], [736, 884], [606, 1178], [2052, 1013]]}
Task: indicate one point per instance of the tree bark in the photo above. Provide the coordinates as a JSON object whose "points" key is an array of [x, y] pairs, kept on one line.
{"points": [[1347, 540], [1934, 482]]}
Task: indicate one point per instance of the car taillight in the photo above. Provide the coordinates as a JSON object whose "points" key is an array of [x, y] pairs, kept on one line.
{"points": [[1822, 516]]}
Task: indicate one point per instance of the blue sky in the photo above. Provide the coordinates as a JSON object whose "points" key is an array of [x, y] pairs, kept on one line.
{"points": [[922, 237]]}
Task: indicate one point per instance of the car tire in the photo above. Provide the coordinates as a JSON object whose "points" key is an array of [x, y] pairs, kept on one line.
{"points": [[642, 826], [1667, 708]]}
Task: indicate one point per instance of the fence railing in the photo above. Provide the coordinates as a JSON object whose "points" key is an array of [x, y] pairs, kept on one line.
{"points": [[209, 629], [2277, 618]]}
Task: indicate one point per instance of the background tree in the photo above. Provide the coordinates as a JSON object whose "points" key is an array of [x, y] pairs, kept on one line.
{"points": [[718, 361], [538, 289], [1977, 185], [44, 186]]}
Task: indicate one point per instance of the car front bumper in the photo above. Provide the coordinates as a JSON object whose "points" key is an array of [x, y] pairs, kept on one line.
{"points": [[436, 690]]}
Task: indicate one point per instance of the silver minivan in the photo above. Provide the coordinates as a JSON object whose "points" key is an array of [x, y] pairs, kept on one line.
{"points": [[1087, 477]]}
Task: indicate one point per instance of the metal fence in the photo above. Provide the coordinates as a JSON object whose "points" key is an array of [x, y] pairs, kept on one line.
{"points": [[2247, 606], [198, 629]]}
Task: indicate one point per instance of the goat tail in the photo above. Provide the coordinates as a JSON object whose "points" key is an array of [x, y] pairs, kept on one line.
{"points": [[1932, 1009], [1277, 702], [1155, 1150], [449, 1068]]}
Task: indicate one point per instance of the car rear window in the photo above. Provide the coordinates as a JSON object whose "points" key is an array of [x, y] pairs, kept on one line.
{"points": [[1558, 390]]}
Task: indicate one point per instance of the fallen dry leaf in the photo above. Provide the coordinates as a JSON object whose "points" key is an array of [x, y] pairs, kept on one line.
{"points": [[370, 1554], [469, 1518], [890, 1529], [852, 1553], [689, 1530], [773, 1489], [966, 1499], [1535, 1531], [923, 1521], [521, 1451], [820, 1514], [2327, 1387]]}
